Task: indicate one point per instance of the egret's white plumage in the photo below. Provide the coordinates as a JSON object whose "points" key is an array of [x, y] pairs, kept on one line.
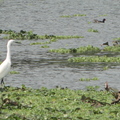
{"points": [[5, 66]]}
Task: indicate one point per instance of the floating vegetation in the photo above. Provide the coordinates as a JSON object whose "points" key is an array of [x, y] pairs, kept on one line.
{"points": [[57, 104], [95, 59], [92, 88], [88, 79], [89, 22], [14, 72], [22, 35], [68, 37], [53, 40], [40, 43], [61, 50], [66, 16], [87, 49], [105, 68], [45, 46], [118, 39], [79, 15], [92, 30], [112, 48], [75, 15]]}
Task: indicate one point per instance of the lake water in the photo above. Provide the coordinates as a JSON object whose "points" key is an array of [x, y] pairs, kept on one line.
{"points": [[39, 68]]}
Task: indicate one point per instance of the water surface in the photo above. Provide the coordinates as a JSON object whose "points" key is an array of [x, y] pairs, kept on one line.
{"points": [[40, 68]]}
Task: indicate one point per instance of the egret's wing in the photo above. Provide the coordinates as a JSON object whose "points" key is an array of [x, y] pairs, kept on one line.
{"points": [[4, 68]]}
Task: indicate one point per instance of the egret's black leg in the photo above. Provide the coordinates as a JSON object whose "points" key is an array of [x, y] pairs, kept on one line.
{"points": [[2, 81]]}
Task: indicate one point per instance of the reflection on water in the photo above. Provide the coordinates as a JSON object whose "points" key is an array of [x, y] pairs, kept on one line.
{"points": [[36, 65]]}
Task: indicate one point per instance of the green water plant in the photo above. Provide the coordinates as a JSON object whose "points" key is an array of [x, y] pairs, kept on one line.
{"points": [[79, 15], [105, 68], [14, 72], [45, 46], [112, 48], [57, 103], [88, 79], [86, 49], [20, 35], [47, 42], [40, 43], [92, 30], [69, 37], [92, 88], [95, 59], [11, 34], [75, 15], [118, 39], [89, 22], [53, 40], [66, 16]]}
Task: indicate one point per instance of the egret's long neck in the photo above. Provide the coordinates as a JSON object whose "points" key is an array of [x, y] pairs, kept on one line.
{"points": [[8, 57]]}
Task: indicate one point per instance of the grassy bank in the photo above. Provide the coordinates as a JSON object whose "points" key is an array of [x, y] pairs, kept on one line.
{"points": [[57, 104]]}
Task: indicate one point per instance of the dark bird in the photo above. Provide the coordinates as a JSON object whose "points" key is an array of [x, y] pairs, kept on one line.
{"points": [[106, 43], [115, 43], [98, 21]]}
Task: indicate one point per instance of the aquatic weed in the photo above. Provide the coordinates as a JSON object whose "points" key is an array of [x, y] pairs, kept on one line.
{"points": [[40, 43], [105, 68], [75, 15], [22, 35], [112, 48], [118, 39], [85, 49], [95, 59], [88, 79], [92, 30], [92, 88], [57, 103], [14, 72], [45, 46]]}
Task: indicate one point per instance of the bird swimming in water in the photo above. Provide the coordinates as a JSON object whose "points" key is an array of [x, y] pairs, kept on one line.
{"points": [[115, 43], [98, 21], [106, 43]]}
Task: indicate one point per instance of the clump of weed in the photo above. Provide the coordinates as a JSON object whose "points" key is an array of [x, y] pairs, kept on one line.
{"points": [[14, 72], [75, 15], [88, 79], [87, 49], [92, 30], [45, 46], [95, 59]]}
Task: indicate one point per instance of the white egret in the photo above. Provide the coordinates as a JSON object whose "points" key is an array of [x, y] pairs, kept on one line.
{"points": [[6, 64]]}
